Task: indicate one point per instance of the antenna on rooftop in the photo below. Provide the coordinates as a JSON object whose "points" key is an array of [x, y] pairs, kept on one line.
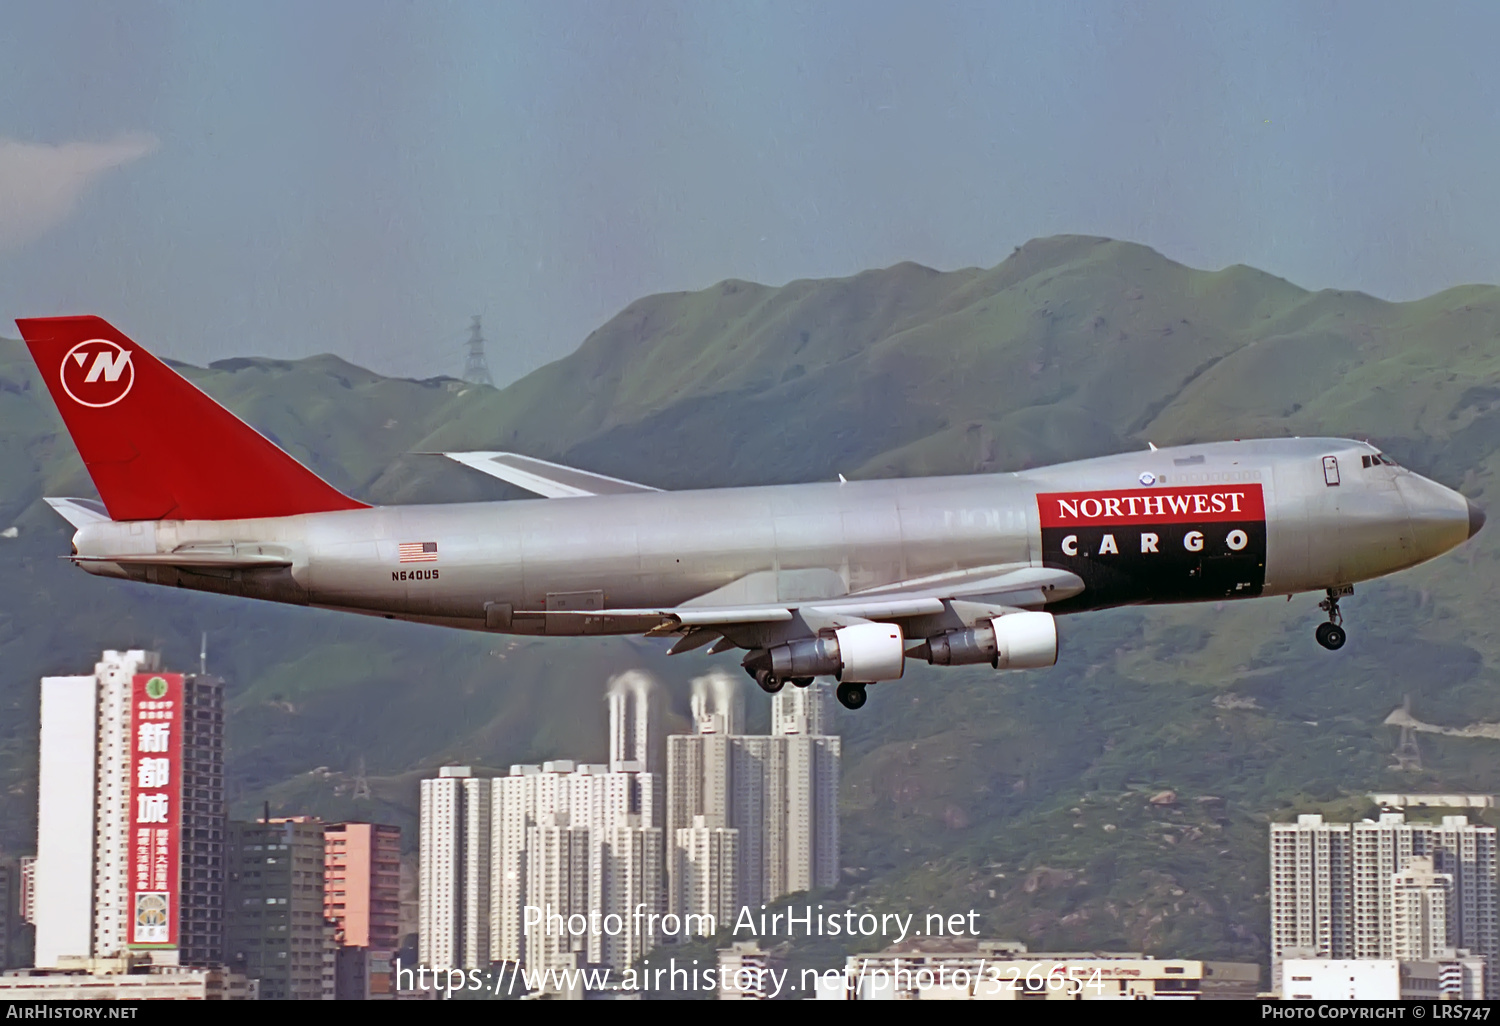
{"points": [[476, 370], [203, 656]]}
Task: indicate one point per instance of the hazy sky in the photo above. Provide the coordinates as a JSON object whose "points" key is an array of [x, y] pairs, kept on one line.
{"points": [[283, 179]]}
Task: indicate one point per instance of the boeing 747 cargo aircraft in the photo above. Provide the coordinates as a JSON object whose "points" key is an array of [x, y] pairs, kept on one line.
{"points": [[848, 579]]}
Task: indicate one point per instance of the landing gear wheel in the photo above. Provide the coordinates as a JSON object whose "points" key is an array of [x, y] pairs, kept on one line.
{"points": [[769, 682], [1331, 636], [851, 696], [802, 682]]}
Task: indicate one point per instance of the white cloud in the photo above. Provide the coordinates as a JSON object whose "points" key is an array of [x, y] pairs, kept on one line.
{"points": [[41, 184]]}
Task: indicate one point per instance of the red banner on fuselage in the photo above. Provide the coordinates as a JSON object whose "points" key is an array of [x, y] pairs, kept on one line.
{"points": [[155, 845], [1191, 505]]}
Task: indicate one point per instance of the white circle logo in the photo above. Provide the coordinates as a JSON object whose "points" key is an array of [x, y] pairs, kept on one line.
{"points": [[1148, 479], [97, 372]]}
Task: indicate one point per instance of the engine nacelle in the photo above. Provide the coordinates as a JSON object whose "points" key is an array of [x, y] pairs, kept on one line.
{"points": [[863, 653], [1025, 641], [961, 648], [1016, 641], [870, 652]]}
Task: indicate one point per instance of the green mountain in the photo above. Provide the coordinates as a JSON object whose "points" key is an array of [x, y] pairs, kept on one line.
{"points": [[1025, 796]]}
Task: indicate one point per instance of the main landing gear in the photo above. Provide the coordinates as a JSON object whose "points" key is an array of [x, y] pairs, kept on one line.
{"points": [[770, 683], [1331, 635], [851, 695]]}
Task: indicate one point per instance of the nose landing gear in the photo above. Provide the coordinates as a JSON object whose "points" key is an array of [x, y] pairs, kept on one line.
{"points": [[1331, 635]]}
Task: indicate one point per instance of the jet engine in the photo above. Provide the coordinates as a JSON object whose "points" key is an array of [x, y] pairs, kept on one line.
{"points": [[1016, 641], [863, 653]]}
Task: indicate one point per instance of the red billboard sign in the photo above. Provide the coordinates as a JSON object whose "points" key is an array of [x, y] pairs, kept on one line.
{"points": [[155, 808]]}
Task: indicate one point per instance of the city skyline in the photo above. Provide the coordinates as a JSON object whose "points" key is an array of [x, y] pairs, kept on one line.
{"points": [[1401, 907], [1384, 889], [139, 871], [735, 819]]}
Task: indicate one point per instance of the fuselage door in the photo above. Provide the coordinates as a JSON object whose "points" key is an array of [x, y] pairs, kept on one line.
{"points": [[1331, 470]]}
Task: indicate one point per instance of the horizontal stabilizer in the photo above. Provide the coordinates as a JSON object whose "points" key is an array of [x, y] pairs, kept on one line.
{"points": [[549, 480], [192, 560], [79, 512]]}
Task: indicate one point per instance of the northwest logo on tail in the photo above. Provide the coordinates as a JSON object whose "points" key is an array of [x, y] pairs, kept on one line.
{"points": [[97, 372]]}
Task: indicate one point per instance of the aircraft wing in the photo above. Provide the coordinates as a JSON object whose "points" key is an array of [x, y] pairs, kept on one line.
{"points": [[550, 480], [699, 620]]}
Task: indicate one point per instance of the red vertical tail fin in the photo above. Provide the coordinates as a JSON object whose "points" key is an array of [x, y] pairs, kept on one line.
{"points": [[157, 447]]}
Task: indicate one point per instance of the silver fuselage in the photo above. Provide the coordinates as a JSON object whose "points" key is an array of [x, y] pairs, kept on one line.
{"points": [[807, 542]]}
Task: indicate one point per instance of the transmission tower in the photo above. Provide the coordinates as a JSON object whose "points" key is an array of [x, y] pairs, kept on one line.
{"points": [[1408, 755], [476, 371], [361, 782]]}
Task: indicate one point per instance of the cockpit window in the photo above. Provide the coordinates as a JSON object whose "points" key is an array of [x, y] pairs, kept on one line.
{"points": [[1377, 460]]}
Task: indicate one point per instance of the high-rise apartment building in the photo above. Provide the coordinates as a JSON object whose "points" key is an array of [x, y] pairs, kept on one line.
{"points": [[777, 793], [558, 837], [614, 814], [27, 897], [203, 823], [276, 930], [634, 878], [705, 870], [7, 912], [362, 884], [635, 735], [632, 723], [1419, 911], [1342, 890], [63, 902], [113, 817], [557, 883], [130, 825], [454, 885]]}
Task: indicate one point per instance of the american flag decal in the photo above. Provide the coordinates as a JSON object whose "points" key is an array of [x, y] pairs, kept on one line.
{"points": [[417, 552]]}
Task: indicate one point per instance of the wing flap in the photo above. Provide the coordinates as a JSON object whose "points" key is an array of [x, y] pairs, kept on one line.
{"points": [[673, 617]]}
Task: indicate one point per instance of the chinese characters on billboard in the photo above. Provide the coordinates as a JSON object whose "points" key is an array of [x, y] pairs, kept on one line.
{"points": [[155, 808]]}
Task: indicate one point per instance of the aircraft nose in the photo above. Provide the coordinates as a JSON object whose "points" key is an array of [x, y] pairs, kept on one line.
{"points": [[1440, 518]]}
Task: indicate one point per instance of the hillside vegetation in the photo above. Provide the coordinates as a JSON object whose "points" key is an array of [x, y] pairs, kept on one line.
{"points": [[1026, 796]]}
